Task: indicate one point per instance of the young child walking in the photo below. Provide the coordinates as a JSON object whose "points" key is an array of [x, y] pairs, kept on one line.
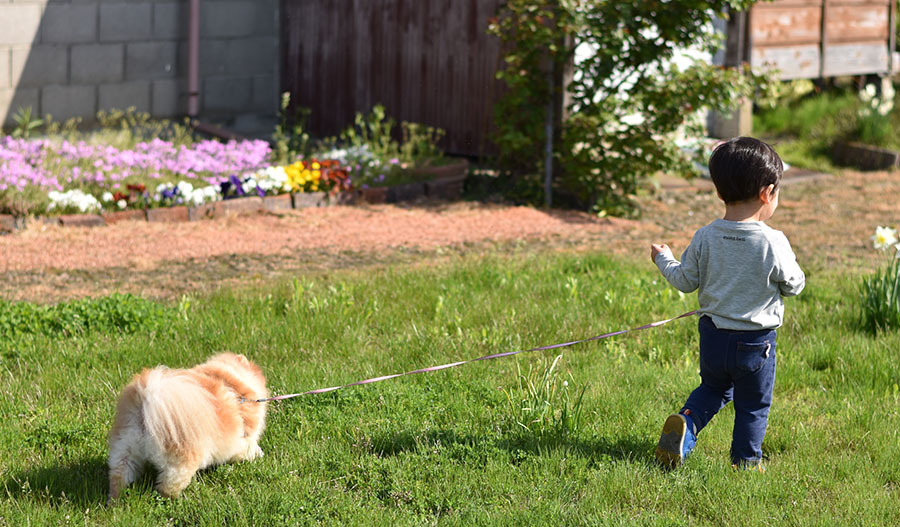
{"points": [[741, 268]]}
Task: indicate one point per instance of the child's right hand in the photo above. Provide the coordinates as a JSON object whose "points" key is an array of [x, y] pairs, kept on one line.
{"points": [[655, 249]]}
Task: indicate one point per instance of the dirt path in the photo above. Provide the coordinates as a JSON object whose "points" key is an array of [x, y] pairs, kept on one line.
{"points": [[828, 221]]}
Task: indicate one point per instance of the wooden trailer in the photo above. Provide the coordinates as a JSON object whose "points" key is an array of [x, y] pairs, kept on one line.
{"points": [[807, 39]]}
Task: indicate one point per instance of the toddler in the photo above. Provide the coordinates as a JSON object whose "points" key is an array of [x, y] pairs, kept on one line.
{"points": [[741, 268]]}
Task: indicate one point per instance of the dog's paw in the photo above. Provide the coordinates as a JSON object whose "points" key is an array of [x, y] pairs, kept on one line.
{"points": [[253, 452]]}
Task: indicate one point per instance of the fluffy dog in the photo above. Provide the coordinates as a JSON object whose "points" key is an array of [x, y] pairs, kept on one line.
{"points": [[181, 421]]}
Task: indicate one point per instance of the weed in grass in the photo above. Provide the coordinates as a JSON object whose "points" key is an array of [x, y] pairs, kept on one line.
{"points": [[542, 405]]}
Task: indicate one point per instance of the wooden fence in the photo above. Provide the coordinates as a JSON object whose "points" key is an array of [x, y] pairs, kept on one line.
{"points": [[426, 61], [816, 38]]}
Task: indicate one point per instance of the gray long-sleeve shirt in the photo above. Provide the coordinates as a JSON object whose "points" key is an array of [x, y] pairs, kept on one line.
{"points": [[742, 269]]}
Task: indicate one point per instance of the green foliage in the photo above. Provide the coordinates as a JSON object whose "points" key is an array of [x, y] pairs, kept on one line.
{"points": [[25, 123], [880, 299], [418, 146], [628, 98], [543, 405], [291, 140], [126, 128], [123, 313], [374, 132]]}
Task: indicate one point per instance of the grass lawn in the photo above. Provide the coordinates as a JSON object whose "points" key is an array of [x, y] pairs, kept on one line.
{"points": [[445, 447]]}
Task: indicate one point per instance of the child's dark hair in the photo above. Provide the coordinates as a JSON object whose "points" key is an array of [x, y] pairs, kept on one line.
{"points": [[740, 167]]}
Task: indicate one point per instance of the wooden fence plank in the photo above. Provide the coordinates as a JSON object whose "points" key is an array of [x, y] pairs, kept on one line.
{"points": [[793, 62], [426, 61], [852, 23], [856, 59]]}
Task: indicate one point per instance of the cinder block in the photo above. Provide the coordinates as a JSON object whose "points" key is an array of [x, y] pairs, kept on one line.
{"points": [[67, 24], [213, 57], [96, 63], [125, 95], [235, 18], [126, 22], [170, 20], [5, 80], [251, 56], [64, 102], [266, 17], [151, 60], [226, 94], [169, 98], [265, 94], [20, 23], [39, 66], [11, 101]]}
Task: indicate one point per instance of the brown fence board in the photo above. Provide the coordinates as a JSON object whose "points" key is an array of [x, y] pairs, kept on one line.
{"points": [[853, 23], [426, 61], [787, 25]]}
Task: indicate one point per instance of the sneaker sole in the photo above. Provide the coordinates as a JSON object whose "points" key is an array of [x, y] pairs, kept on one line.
{"points": [[671, 442]]}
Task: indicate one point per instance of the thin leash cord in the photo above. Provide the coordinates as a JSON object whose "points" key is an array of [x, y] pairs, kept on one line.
{"points": [[460, 363]]}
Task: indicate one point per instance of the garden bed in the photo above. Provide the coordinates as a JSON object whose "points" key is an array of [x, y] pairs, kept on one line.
{"points": [[444, 183]]}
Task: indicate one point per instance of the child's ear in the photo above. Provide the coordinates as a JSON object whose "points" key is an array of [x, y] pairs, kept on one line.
{"points": [[767, 194]]}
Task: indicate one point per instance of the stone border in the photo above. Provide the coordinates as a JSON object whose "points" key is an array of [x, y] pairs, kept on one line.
{"points": [[863, 156], [446, 184]]}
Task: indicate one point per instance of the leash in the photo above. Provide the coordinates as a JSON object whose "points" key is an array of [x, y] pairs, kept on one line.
{"points": [[460, 363]]}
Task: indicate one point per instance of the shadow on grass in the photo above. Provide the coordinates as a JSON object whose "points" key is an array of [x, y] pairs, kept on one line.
{"points": [[637, 449], [82, 483]]}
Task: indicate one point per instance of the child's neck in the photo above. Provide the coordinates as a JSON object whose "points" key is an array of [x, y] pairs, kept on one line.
{"points": [[744, 211]]}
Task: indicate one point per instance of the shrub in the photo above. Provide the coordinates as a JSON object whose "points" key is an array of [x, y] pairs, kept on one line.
{"points": [[123, 313], [628, 97]]}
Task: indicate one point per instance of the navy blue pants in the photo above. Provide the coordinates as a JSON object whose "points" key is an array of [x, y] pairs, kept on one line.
{"points": [[735, 366]]}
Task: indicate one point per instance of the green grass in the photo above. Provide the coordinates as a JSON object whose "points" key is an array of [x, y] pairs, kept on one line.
{"points": [[444, 447]]}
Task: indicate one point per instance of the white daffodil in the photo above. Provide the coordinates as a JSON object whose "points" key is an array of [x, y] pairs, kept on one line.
{"points": [[884, 237]]}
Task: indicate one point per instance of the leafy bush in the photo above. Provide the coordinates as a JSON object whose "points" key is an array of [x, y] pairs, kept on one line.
{"points": [[123, 313], [629, 99]]}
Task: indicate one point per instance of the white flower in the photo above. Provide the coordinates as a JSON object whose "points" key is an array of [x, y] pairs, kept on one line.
{"points": [[162, 186], [197, 197], [185, 188], [73, 199], [884, 237], [868, 93], [107, 196], [122, 203]]}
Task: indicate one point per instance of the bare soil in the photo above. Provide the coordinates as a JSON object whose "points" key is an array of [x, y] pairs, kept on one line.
{"points": [[829, 221]]}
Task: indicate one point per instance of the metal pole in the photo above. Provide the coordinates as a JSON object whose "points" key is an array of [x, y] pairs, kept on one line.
{"points": [[548, 141], [194, 59]]}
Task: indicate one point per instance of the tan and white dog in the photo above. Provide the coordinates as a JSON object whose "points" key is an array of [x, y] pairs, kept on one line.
{"points": [[181, 421]]}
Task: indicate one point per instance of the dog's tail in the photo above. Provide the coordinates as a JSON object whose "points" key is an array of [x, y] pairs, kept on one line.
{"points": [[177, 410]]}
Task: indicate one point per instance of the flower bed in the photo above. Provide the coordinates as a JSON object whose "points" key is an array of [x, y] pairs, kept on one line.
{"points": [[88, 185]]}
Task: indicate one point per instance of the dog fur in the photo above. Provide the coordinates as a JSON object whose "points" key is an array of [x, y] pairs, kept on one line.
{"points": [[181, 421]]}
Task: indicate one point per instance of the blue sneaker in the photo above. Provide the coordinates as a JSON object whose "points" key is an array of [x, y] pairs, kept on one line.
{"points": [[676, 441]]}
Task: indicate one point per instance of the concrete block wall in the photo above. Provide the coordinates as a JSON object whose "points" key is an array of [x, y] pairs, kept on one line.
{"points": [[71, 58]]}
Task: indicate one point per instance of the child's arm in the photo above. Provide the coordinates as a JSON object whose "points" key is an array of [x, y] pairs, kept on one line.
{"points": [[684, 275], [790, 277]]}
